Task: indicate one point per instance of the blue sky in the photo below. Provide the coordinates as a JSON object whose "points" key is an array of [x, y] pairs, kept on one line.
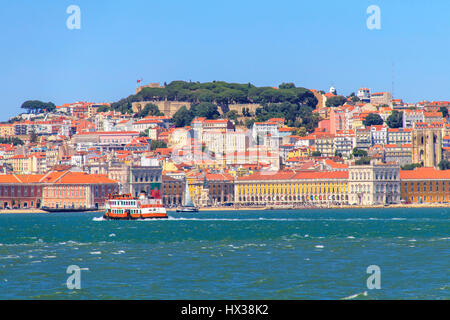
{"points": [[315, 44]]}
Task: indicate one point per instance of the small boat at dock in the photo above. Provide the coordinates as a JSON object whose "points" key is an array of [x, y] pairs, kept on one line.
{"points": [[188, 203]]}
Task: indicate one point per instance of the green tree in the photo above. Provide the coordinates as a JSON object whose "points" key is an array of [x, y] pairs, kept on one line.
{"points": [[205, 109], [358, 153], [316, 154], [336, 101], [232, 115], [36, 106], [249, 123], [354, 99], [395, 120], [183, 117], [288, 85], [12, 140], [157, 144], [411, 166], [362, 161], [150, 109], [444, 111], [103, 109], [444, 165], [373, 119], [33, 136], [301, 132]]}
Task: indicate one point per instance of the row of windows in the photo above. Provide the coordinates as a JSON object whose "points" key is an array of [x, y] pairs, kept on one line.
{"points": [[146, 179], [378, 188], [378, 176], [19, 191], [292, 188], [65, 193], [424, 198], [116, 141], [218, 188], [427, 186], [71, 191], [123, 203]]}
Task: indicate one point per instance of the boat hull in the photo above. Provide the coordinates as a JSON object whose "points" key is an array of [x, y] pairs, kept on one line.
{"points": [[107, 217]]}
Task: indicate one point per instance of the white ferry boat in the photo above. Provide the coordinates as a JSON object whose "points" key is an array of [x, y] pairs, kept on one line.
{"points": [[126, 207]]}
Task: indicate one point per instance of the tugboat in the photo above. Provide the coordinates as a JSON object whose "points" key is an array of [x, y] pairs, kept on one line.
{"points": [[126, 207], [188, 204]]}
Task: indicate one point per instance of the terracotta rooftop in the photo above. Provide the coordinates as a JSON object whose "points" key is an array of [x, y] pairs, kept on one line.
{"points": [[425, 174]]}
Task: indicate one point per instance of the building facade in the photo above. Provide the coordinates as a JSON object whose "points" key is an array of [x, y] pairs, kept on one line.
{"points": [[172, 191], [20, 191], [221, 188], [425, 185], [292, 188], [145, 178], [374, 184], [76, 190]]}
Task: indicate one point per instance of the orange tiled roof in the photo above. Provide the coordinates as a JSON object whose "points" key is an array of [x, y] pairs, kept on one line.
{"points": [[425, 174], [218, 176], [335, 164]]}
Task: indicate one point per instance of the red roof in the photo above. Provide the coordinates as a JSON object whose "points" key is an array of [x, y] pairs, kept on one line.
{"points": [[425, 174]]}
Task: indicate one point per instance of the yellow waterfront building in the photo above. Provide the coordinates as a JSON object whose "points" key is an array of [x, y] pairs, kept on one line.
{"points": [[292, 188]]}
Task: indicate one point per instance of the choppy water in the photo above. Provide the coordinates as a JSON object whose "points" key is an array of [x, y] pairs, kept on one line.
{"points": [[309, 254]]}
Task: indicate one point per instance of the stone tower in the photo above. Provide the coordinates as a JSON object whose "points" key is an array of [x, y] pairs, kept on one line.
{"points": [[427, 144]]}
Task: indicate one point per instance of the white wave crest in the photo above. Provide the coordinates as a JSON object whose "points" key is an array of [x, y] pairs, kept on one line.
{"points": [[357, 295]]}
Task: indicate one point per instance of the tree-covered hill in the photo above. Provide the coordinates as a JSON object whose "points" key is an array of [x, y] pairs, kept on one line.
{"points": [[220, 93], [289, 102]]}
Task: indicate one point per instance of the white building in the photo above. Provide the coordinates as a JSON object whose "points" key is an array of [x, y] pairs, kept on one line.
{"points": [[262, 129], [374, 184], [410, 117], [344, 142], [364, 95], [379, 134], [220, 142]]}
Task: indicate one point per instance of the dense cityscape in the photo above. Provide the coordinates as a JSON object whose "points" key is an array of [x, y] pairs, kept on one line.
{"points": [[232, 145]]}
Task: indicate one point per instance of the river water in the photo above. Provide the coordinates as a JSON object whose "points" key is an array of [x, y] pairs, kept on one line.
{"points": [[284, 254]]}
